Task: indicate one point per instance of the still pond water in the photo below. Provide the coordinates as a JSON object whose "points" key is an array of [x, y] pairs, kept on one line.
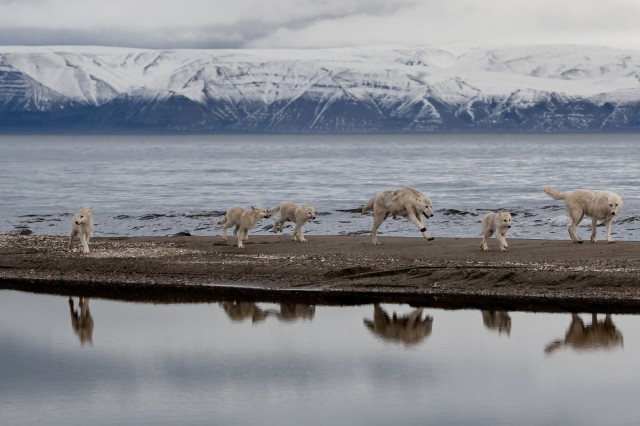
{"points": [[239, 363]]}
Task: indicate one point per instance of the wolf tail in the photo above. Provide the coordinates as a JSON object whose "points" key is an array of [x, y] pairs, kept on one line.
{"points": [[369, 206], [275, 209], [553, 193]]}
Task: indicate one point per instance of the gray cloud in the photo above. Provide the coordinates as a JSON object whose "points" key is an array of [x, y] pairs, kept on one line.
{"points": [[200, 24], [316, 23]]}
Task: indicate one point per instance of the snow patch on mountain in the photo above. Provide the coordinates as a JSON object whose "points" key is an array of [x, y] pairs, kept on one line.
{"points": [[407, 88]]}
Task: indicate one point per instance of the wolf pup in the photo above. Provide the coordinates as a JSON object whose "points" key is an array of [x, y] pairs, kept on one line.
{"points": [[406, 202], [243, 220], [598, 205], [495, 223], [82, 227], [296, 213]]}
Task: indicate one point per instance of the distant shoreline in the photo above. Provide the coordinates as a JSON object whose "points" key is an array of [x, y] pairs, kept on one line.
{"points": [[534, 275]]}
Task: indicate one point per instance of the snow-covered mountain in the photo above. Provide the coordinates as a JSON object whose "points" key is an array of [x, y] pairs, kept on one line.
{"points": [[374, 89]]}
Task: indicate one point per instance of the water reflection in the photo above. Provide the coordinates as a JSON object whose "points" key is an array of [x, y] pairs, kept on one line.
{"points": [[289, 312], [193, 364], [240, 311], [499, 321], [409, 329], [597, 335], [81, 320]]}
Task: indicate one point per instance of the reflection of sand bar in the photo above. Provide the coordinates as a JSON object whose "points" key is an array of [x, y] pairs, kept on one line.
{"points": [[499, 321], [409, 329], [81, 321], [597, 335]]}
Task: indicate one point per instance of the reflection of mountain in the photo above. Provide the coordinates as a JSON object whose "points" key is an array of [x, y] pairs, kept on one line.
{"points": [[499, 321], [409, 329], [81, 320], [289, 312], [376, 89], [597, 335]]}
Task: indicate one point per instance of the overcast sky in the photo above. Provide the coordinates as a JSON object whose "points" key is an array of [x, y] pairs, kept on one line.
{"points": [[318, 23]]}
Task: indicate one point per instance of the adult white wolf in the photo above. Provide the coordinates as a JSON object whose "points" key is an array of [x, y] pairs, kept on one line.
{"points": [[296, 213], [495, 223], [82, 227], [405, 202], [598, 205], [243, 220]]}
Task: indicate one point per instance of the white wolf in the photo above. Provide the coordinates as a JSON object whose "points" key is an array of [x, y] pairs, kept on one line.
{"points": [[598, 205], [243, 220], [292, 212], [495, 223], [82, 227], [406, 202]]}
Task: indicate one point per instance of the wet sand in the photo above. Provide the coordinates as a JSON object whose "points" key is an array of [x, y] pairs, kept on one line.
{"points": [[536, 275]]}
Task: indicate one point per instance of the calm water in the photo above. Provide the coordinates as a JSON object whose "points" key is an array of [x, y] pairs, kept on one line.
{"points": [[162, 185], [265, 363]]}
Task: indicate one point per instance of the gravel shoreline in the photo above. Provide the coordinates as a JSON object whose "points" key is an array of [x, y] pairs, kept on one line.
{"points": [[534, 275]]}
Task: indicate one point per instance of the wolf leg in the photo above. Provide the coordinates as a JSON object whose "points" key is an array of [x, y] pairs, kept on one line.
{"points": [[299, 233], [240, 235], [83, 241], [73, 234], [609, 239], [378, 218], [486, 234], [423, 229], [594, 223], [224, 230], [576, 214], [503, 242]]}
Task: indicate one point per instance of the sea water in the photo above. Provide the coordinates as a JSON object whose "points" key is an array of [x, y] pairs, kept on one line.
{"points": [[246, 363], [158, 185]]}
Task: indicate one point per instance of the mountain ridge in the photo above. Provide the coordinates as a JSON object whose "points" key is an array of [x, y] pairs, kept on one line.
{"points": [[349, 90]]}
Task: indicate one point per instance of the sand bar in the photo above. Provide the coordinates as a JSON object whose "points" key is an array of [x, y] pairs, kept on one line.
{"points": [[537, 275]]}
